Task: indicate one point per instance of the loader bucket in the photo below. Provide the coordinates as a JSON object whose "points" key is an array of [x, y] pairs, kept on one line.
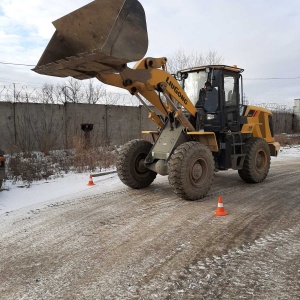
{"points": [[99, 37]]}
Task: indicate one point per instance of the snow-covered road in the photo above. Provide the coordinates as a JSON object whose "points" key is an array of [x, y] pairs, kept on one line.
{"points": [[111, 242]]}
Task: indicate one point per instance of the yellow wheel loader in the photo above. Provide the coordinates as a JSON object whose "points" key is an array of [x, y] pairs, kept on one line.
{"points": [[198, 131]]}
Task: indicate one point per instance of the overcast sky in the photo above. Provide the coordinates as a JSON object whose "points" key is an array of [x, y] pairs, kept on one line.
{"points": [[260, 36]]}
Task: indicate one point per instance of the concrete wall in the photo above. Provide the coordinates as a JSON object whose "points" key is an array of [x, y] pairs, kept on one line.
{"points": [[297, 107], [6, 123], [297, 114], [44, 127], [29, 126]]}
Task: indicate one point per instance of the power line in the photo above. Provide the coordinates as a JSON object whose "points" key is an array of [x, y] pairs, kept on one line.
{"points": [[261, 78], [14, 64], [6, 82], [245, 78], [272, 78]]}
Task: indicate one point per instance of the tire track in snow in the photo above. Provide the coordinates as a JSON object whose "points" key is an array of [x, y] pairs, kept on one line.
{"points": [[265, 269]]}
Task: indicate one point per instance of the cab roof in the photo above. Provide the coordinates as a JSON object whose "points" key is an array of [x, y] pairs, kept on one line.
{"points": [[228, 68]]}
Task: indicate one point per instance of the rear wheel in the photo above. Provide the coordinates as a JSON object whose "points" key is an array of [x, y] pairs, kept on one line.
{"points": [[130, 164], [257, 161], [191, 170]]}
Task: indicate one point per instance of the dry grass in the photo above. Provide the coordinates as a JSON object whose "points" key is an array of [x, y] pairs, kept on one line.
{"points": [[287, 139], [33, 166]]}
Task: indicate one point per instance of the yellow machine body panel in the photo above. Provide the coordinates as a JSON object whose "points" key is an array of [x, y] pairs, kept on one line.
{"points": [[258, 123], [206, 138]]}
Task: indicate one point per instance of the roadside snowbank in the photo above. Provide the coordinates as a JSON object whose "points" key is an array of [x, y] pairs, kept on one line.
{"points": [[14, 196]]}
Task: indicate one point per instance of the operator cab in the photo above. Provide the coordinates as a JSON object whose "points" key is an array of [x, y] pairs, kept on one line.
{"points": [[221, 104]]}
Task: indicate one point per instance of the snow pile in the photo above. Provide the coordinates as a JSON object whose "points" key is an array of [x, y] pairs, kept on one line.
{"points": [[289, 151], [16, 196]]}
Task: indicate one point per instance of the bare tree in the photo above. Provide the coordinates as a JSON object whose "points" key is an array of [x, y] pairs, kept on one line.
{"points": [[121, 99], [94, 94], [182, 59], [72, 91], [213, 58], [48, 95], [14, 93]]}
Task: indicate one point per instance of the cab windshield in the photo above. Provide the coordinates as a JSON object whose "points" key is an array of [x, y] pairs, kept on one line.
{"points": [[194, 83]]}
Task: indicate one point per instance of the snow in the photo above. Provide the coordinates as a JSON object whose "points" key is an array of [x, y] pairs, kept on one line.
{"points": [[45, 192], [17, 196], [288, 151]]}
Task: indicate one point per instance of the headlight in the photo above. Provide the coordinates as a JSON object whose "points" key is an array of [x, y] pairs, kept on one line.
{"points": [[210, 116]]}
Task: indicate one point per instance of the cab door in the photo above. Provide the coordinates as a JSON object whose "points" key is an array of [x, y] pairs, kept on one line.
{"points": [[232, 100]]}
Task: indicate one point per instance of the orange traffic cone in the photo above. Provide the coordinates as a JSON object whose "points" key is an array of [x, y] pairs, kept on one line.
{"points": [[91, 181], [220, 209]]}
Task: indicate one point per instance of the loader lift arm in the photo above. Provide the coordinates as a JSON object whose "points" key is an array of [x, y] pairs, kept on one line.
{"points": [[98, 40], [149, 78]]}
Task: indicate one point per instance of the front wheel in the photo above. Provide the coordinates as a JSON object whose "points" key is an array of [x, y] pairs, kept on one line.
{"points": [[130, 164], [257, 161], [191, 170]]}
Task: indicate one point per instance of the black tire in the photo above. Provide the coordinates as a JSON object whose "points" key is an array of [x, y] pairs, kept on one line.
{"points": [[1, 181], [257, 161], [130, 164], [191, 170]]}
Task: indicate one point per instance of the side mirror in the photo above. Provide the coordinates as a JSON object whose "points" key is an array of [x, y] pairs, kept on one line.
{"points": [[180, 76]]}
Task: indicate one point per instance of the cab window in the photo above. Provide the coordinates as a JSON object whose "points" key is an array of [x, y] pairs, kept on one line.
{"points": [[231, 89]]}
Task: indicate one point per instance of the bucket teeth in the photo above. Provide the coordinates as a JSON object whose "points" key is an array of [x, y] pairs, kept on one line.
{"points": [[99, 37]]}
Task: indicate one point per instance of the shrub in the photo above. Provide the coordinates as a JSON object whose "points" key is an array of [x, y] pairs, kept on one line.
{"points": [[33, 166]]}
